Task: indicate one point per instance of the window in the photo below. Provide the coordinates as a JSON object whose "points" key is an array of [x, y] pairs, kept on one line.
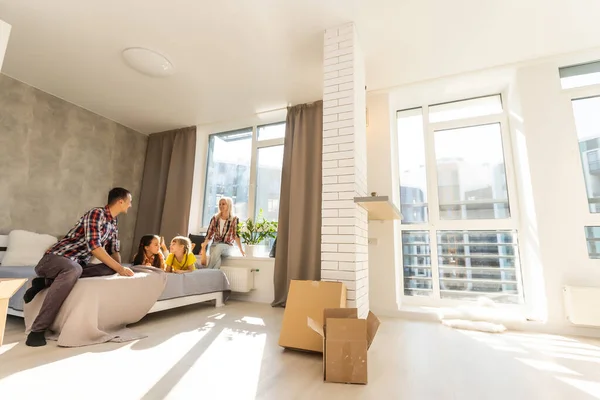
{"points": [[478, 107], [270, 161], [592, 236], [268, 181], [475, 263], [413, 177], [471, 173], [228, 172], [245, 165], [587, 122], [583, 88], [459, 227], [272, 131], [581, 75]]}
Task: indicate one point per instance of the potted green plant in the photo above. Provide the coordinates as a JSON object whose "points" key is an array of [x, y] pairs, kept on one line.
{"points": [[255, 232]]}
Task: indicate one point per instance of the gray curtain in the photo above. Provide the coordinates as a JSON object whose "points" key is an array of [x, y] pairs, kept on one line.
{"points": [[298, 253], [166, 193]]}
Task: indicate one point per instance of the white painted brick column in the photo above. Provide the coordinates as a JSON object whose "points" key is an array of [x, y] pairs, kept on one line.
{"points": [[344, 238]]}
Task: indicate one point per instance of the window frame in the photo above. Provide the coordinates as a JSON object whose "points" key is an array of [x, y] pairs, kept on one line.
{"points": [[571, 95], [255, 146], [434, 224]]}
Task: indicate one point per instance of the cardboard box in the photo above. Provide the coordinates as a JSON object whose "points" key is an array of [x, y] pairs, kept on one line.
{"points": [[346, 341], [308, 299], [8, 287]]}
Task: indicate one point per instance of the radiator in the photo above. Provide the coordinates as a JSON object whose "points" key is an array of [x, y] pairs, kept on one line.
{"points": [[240, 279], [582, 305]]}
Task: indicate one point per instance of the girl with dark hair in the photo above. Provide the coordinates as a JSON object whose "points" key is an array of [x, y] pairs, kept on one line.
{"points": [[148, 252]]}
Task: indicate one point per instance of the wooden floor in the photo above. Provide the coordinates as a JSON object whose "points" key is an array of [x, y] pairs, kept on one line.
{"points": [[199, 352]]}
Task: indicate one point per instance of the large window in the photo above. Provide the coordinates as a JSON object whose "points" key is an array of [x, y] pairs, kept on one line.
{"points": [[459, 226], [592, 237], [245, 165], [228, 172], [583, 82]]}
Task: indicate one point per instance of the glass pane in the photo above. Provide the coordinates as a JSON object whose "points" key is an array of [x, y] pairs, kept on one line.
{"points": [[580, 75], [411, 157], [471, 173], [479, 263], [592, 235], [268, 186], [417, 263], [587, 122], [470, 108], [273, 131], [228, 172]]}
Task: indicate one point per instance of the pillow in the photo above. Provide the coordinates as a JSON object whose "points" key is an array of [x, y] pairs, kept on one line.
{"points": [[197, 240], [26, 248]]}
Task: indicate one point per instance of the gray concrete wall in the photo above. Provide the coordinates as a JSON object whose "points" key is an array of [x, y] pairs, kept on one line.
{"points": [[58, 160]]}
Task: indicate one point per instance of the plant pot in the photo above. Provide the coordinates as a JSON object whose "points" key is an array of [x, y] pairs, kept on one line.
{"points": [[249, 249]]}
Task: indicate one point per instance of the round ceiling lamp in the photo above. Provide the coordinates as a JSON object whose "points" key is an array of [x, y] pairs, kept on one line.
{"points": [[148, 62]]}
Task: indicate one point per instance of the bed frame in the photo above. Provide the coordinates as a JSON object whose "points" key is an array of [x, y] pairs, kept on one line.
{"points": [[12, 311], [187, 300]]}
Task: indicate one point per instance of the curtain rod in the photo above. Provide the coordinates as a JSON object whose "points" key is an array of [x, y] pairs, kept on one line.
{"points": [[272, 110], [285, 108]]}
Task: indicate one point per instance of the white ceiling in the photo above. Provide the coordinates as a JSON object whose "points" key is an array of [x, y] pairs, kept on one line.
{"points": [[236, 58]]}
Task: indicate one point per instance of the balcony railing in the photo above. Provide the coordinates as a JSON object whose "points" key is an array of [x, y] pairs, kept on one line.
{"points": [[594, 167]]}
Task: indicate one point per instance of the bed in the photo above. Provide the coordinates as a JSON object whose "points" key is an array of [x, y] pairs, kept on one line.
{"points": [[180, 290]]}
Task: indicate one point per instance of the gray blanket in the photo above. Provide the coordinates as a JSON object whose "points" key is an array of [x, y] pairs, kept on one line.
{"points": [[201, 281], [99, 309], [178, 285]]}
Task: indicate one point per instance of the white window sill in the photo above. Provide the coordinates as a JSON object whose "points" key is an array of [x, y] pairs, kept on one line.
{"points": [[267, 259], [250, 262], [511, 316]]}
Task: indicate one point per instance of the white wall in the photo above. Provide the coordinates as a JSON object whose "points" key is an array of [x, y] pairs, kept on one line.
{"points": [[380, 153], [558, 185], [551, 191]]}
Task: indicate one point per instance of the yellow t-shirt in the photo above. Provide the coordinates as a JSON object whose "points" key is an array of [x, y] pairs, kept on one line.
{"points": [[187, 264]]}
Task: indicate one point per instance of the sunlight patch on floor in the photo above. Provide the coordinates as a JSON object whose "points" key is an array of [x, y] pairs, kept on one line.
{"points": [[229, 368], [574, 357], [140, 369], [252, 321], [589, 387], [547, 366], [510, 349], [6, 347]]}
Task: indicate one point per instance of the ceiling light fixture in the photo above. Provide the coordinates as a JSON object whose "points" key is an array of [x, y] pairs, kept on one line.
{"points": [[148, 62]]}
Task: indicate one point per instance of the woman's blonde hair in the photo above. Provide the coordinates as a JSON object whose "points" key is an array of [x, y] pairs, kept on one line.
{"points": [[229, 206]]}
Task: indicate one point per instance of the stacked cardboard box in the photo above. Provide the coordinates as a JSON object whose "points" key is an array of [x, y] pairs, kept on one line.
{"points": [[316, 319]]}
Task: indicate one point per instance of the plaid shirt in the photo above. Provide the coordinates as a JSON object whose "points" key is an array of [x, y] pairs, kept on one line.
{"points": [[230, 233], [97, 228]]}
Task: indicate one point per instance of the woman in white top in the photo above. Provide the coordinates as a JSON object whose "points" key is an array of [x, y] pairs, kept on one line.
{"points": [[223, 231]]}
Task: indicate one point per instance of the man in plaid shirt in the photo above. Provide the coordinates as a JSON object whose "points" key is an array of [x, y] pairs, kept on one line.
{"points": [[95, 234]]}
